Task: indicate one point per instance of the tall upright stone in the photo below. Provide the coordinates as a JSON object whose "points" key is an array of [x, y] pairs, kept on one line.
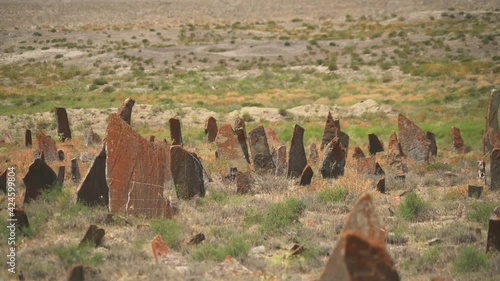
{"points": [[261, 155], [414, 142], [211, 129], [187, 173], [374, 144], [75, 170], [40, 177], [491, 136], [63, 130], [125, 111], [94, 189], [493, 239], [394, 154], [432, 139], [360, 252], [229, 149], [306, 177], [297, 160], [28, 142], [175, 131], [331, 127], [241, 134], [495, 169], [47, 146], [281, 161], [457, 141], [60, 175], [333, 163]]}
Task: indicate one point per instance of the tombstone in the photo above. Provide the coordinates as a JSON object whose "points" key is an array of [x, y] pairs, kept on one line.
{"points": [[358, 153], [313, 154], [63, 130], [159, 247], [60, 175], [239, 124], [474, 191], [125, 111], [272, 139], [394, 154], [493, 241], [242, 140], [60, 155], [136, 172], [331, 126], [90, 137], [413, 140], [306, 177], [28, 142], [47, 146], [381, 185], [261, 155], [281, 167], [378, 170], [94, 188], [374, 144], [74, 170], [297, 155], [76, 273], [243, 182], [360, 252], [3, 181], [457, 142], [93, 236], [333, 163], [433, 148], [211, 129], [21, 218], [366, 166], [175, 131], [40, 177], [495, 169], [187, 172], [228, 148]]}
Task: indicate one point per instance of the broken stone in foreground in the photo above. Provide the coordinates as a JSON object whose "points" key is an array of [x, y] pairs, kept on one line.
{"points": [[359, 252]]}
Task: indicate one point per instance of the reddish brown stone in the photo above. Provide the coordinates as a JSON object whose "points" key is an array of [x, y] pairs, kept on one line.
{"points": [[94, 188], [160, 248], [366, 166], [211, 129], [152, 138], [136, 171], [491, 140], [495, 169], [313, 154], [175, 131], [306, 177], [47, 146], [63, 130], [456, 138], [228, 148], [358, 153], [359, 252], [272, 139], [261, 155], [281, 162], [40, 177], [493, 242], [125, 111], [381, 185], [491, 137], [433, 147], [187, 172], [331, 127], [297, 155], [374, 144], [394, 154], [93, 236], [28, 142], [242, 140], [243, 182], [414, 142], [333, 163], [90, 137]]}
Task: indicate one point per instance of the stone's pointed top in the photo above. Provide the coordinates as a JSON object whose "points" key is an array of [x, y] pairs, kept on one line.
{"points": [[297, 160], [175, 131], [39, 177], [375, 145], [333, 163], [306, 177], [125, 110], [331, 129], [261, 154], [211, 129], [47, 146], [358, 153], [414, 142], [457, 141], [63, 130]]}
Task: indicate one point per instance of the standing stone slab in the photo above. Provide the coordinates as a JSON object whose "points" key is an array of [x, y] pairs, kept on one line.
{"points": [[175, 131], [187, 172], [243, 182], [333, 163], [313, 153], [491, 136], [281, 162], [60, 175], [211, 129], [366, 166], [297, 160], [125, 111], [28, 142], [381, 185], [137, 171], [242, 140], [40, 177], [394, 153], [94, 188], [60, 155], [358, 153], [3, 181], [495, 169], [272, 139], [261, 155], [360, 252], [433, 147], [493, 240], [414, 142], [474, 191], [306, 177], [457, 142], [374, 144], [63, 130], [47, 146], [229, 149], [93, 236], [330, 132]]}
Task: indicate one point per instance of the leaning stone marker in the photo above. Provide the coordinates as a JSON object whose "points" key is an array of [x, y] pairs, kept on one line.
{"points": [[491, 136], [125, 111], [136, 172], [28, 142], [414, 142], [94, 188], [456, 138], [333, 163], [243, 182], [358, 153], [175, 131], [374, 144], [281, 167], [40, 177], [359, 252], [495, 169], [47, 146], [211, 129], [433, 148], [93, 236], [297, 155], [241, 134], [63, 130], [187, 172], [394, 154], [261, 155], [330, 132], [306, 177], [228, 148]]}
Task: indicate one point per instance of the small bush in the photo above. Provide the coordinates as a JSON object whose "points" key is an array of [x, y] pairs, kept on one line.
{"points": [[470, 259], [74, 254], [237, 247], [333, 195], [281, 215], [169, 230], [108, 89], [412, 208], [247, 117], [99, 81], [481, 211]]}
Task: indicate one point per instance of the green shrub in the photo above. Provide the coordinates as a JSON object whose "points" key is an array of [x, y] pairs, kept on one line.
{"points": [[169, 230], [470, 259], [247, 117], [333, 195], [283, 214], [108, 89], [237, 247], [481, 211], [412, 208], [74, 254], [99, 81]]}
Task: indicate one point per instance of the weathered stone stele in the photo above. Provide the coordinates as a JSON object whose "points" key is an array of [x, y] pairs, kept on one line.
{"points": [[47, 146], [125, 111], [433, 147], [93, 236], [306, 177], [211, 129], [243, 182], [491, 136], [187, 172], [313, 154], [493, 240], [333, 163], [297, 160], [331, 126], [366, 166], [90, 137], [457, 141], [381, 185], [394, 154], [495, 169], [63, 130], [228, 148], [374, 144], [359, 252], [28, 141], [175, 131], [94, 188], [136, 172], [261, 155], [413, 140], [39, 177], [60, 175], [281, 167], [358, 153], [241, 135], [474, 191]]}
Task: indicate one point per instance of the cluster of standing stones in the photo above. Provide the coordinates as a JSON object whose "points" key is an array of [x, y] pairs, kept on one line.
{"points": [[130, 173]]}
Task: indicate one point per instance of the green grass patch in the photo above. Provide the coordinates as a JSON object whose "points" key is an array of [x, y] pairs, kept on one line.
{"points": [[236, 247], [283, 214], [412, 208], [74, 254], [169, 230], [470, 259], [333, 195], [481, 211]]}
